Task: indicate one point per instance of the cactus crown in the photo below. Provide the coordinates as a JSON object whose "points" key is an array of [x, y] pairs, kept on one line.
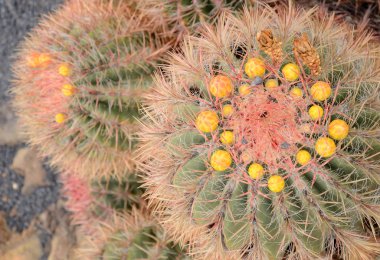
{"points": [[80, 78], [265, 141]]}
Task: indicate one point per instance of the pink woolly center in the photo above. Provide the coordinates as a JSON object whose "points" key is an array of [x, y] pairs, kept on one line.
{"points": [[267, 125]]}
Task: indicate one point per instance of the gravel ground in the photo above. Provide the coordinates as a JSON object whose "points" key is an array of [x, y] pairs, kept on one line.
{"points": [[20, 208]]}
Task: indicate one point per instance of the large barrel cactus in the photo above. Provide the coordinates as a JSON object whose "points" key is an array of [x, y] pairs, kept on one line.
{"points": [[130, 236], [80, 77], [265, 141]]}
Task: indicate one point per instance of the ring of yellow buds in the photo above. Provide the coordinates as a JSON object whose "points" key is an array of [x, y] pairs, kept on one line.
{"points": [[207, 121], [276, 183], [325, 147], [221, 86], [315, 112], [338, 129], [227, 137], [220, 160], [320, 91], [256, 171], [303, 157], [60, 118], [291, 72], [254, 67]]}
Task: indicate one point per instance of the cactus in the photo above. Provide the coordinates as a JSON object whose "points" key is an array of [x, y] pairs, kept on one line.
{"points": [[184, 17], [241, 165], [130, 236], [79, 80], [91, 202]]}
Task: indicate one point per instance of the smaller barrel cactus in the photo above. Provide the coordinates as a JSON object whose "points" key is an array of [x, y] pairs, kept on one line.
{"points": [[79, 80], [130, 236], [265, 142], [90, 202]]}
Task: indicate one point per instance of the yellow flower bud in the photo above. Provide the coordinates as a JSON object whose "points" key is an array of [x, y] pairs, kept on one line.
{"points": [[296, 92], [276, 183], [291, 72], [256, 171], [227, 110], [68, 90], [244, 90], [338, 129], [303, 157], [64, 70], [220, 160], [320, 91], [254, 67], [227, 137], [221, 86], [315, 112], [271, 83], [207, 121], [325, 147], [60, 118]]}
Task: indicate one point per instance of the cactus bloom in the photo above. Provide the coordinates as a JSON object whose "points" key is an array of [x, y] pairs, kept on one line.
{"points": [[68, 90], [320, 91], [303, 157], [338, 129], [291, 72], [227, 110], [64, 70], [325, 147], [227, 137], [220, 160], [221, 86], [60, 118], [256, 171], [315, 112], [244, 90], [276, 183], [296, 92], [207, 121], [271, 83], [254, 67]]}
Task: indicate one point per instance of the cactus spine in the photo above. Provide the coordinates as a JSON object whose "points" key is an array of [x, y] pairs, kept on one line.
{"points": [[286, 183]]}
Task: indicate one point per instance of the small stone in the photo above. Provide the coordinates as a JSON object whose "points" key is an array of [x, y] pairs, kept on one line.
{"points": [[15, 186], [256, 81], [285, 145]]}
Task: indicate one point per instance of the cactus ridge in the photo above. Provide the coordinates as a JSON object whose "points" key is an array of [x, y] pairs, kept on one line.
{"points": [[88, 65], [321, 203]]}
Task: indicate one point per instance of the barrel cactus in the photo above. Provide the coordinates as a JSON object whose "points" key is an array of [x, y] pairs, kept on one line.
{"points": [[79, 80], [265, 139], [130, 236], [92, 201]]}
